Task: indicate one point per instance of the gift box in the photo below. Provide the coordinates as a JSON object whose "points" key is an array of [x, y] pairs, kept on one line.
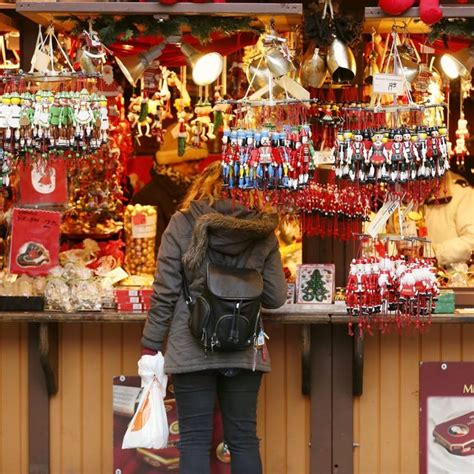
{"points": [[132, 307], [445, 303]]}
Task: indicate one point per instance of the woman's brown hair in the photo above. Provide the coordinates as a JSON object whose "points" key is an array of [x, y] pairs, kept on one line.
{"points": [[207, 185]]}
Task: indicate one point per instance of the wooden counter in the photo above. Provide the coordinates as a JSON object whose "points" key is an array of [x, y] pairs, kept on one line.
{"points": [[287, 314]]}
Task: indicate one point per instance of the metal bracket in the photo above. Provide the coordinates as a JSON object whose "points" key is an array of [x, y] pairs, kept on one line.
{"points": [[357, 364], [48, 353], [306, 360]]}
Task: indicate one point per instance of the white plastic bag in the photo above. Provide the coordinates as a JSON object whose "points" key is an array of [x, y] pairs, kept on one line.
{"points": [[149, 425]]}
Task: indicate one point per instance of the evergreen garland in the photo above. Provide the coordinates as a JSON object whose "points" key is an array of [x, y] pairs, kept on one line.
{"points": [[112, 28], [459, 27], [346, 28]]}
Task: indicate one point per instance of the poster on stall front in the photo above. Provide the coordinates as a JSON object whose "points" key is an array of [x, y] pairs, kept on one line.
{"points": [[126, 393], [446, 417], [34, 247], [43, 182]]}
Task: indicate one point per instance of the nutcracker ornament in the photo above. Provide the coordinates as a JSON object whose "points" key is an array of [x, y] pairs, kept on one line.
{"points": [[26, 120], [377, 158], [356, 157]]}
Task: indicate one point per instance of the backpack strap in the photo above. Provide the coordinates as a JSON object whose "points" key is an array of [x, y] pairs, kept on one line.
{"points": [[187, 293]]}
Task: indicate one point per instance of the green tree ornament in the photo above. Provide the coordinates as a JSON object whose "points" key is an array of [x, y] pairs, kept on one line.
{"points": [[315, 288]]}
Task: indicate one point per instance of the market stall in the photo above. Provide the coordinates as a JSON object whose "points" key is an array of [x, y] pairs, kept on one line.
{"points": [[349, 122]]}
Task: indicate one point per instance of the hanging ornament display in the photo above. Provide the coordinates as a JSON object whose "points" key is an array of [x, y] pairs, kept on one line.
{"points": [[51, 123], [95, 204], [396, 146], [394, 156], [385, 290], [268, 159]]}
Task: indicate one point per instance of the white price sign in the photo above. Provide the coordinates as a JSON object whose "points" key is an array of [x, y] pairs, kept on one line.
{"points": [[389, 84]]}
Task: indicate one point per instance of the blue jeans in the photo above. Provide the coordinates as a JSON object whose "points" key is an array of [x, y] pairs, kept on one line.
{"points": [[195, 400]]}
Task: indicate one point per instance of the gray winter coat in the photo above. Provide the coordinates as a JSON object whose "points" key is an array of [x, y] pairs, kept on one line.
{"points": [[232, 235]]}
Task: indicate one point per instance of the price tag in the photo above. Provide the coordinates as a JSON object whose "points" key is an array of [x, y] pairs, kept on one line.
{"points": [[389, 84], [324, 157], [382, 217]]}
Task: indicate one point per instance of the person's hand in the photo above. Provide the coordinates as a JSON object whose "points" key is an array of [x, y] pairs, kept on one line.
{"points": [[148, 351]]}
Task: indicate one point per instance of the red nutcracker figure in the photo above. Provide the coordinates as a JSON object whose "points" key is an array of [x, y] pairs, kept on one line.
{"points": [[410, 158], [305, 156], [377, 156], [433, 151], [339, 154]]}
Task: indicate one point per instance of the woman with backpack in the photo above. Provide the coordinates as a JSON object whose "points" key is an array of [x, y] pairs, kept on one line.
{"points": [[215, 255]]}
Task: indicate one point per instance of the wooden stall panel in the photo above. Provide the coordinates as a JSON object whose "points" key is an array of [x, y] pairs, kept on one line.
{"points": [[386, 416], [81, 412], [13, 399]]}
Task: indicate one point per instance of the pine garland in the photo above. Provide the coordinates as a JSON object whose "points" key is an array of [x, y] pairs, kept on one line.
{"points": [[346, 28], [459, 27], [112, 28]]}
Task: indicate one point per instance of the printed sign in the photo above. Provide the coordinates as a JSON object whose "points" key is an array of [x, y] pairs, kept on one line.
{"points": [[143, 226], [34, 247], [43, 183], [389, 84], [446, 417]]}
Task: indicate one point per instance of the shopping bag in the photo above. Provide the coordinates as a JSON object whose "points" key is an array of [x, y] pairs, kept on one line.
{"points": [[149, 425]]}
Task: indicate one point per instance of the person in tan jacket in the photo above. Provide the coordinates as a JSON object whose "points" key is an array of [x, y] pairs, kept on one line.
{"points": [[450, 220]]}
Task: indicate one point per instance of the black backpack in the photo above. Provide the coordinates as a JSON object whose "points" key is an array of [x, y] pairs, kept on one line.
{"points": [[226, 316]]}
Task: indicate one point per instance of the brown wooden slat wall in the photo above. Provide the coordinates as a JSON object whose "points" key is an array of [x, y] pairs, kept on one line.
{"points": [[81, 413], [385, 417]]}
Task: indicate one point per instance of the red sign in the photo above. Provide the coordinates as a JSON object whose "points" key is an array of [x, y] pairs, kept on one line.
{"points": [[43, 183], [446, 417], [34, 247]]}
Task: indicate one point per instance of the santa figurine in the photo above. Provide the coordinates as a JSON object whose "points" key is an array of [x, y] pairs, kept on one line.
{"points": [[351, 290], [407, 290]]}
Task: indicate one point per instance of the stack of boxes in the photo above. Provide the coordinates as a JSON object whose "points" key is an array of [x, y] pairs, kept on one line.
{"points": [[133, 299]]}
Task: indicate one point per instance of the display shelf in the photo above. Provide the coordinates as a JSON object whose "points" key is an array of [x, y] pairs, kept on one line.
{"points": [[375, 18], [284, 14], [449, 11], [152, 8], [287, 314]]}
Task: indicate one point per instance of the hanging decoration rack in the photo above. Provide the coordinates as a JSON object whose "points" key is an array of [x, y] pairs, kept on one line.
{"points": [[391, 289]]}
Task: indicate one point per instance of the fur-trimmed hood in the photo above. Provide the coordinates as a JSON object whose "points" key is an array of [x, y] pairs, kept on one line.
{"points": [[226, 228]]}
